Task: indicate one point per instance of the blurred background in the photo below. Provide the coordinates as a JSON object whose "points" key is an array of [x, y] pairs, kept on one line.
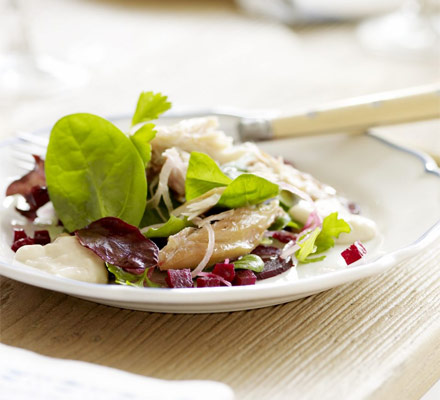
{"points": [[64, 56]]}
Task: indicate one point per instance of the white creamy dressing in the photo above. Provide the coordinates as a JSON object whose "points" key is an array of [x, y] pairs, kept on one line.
{"points": [[64, 257]]}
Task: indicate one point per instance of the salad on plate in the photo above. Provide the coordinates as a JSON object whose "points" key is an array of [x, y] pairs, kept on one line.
{"points": [[176, 206]]}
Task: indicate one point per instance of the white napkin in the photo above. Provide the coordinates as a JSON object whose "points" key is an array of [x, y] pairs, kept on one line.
{"points": [[26, 375]]}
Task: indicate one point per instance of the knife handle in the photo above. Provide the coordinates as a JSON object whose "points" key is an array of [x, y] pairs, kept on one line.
{"points": [[350, 116]]}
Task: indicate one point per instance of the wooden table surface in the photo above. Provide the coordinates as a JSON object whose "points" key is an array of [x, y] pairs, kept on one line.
{"points": [[378, 338]]}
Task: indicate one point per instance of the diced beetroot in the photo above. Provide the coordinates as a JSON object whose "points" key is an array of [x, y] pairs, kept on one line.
{"points": [[22, 242], [21, 239], [284, 236], [266, 251], [41, 237], [19, 234], [244, 277], [354, 253], [208, 281], [274, 266], [179, 278], [225, 270]]}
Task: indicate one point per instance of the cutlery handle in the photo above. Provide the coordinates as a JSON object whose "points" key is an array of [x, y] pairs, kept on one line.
{"points": [[351, 116]]}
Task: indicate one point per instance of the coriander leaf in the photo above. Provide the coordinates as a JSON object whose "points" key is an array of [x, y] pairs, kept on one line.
{"points": [[141, 140], [307, 247], [125, 278], [150, 105], [94, 171], [246, 190], [203, 174], [251, 262], [332, 227], [171, 227]]}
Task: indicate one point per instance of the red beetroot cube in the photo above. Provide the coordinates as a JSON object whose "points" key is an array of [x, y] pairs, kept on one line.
{"points": [[179, 278], [284, 236], [244, 277], [19, 234], [226, 271], [208, 281], [353, 253], [41, 237], [22, 242]]}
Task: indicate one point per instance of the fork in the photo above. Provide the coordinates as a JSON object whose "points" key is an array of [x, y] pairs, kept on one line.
{"points": [[352, 116]]}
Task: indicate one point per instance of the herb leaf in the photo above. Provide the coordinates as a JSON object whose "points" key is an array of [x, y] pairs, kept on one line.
{"points": [[308, 247], [141, 140], [150, 105], [332, 227], [251, 262], [246, 190], [203, 174], [125, 278], [93, 171], [171, 227], [322, 239]]}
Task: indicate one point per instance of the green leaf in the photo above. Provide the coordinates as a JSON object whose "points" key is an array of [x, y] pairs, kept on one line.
{"points": [[171, 227], [322, 239], [150, 105], [251, 262], [94, 171], [284, 221], [287, 199], [246, 190], [125, 278], [266, 241], [280, 223], [141, 139], [307, 247], [294, 225], [203, 174], [332, 227]]}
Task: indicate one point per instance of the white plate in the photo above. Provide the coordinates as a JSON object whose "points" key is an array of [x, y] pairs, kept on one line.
{"points": [[398, 188]]}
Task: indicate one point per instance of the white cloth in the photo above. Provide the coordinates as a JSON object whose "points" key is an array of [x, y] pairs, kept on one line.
{"points": [[27, 375]]}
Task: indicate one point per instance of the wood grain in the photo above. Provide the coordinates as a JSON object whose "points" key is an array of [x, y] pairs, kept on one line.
{"points": [[376, 339]]}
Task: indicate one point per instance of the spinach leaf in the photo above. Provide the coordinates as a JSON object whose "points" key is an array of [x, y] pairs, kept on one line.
{"points": [[141, 139], [171, 227], [246, 190], [203, 174], [251, 262], [150, 105], [94, 171]]}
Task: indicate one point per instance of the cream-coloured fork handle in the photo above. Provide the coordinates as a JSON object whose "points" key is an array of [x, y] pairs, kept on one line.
{"points": [[351, 116]]}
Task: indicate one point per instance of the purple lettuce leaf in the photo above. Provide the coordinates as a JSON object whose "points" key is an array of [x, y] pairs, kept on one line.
{"points": [[120, 244]]}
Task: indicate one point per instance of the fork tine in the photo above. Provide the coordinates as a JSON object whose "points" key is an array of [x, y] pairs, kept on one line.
{"points": [[28, 144], [34, 139]]}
